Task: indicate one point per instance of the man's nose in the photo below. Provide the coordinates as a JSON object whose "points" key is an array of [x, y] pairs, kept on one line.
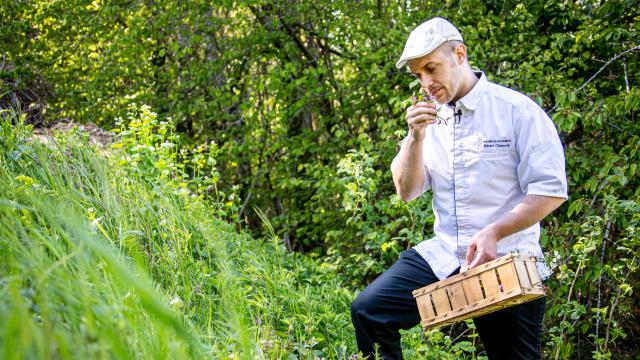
{"points": [[425, 81]]}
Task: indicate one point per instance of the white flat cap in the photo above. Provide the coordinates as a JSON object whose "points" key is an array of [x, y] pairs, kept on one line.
{"points": [[427, 37]]}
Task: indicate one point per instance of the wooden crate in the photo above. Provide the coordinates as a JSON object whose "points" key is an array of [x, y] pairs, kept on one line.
{"points": [[506, 281]]}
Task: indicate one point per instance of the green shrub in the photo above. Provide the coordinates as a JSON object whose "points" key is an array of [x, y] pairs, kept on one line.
{"points": [[305, 106]]}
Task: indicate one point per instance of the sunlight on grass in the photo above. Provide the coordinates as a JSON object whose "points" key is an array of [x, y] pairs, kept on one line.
{"points": [[98, 262]]}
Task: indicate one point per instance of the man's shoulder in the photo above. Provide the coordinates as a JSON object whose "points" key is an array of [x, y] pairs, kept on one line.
{"points": [[510, 96], [520, 106]]}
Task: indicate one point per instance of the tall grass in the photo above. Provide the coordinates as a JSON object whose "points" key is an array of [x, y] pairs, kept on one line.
{"points": [[111, 256], [99, 262]]}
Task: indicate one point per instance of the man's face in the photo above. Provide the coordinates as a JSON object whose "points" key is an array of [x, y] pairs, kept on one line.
{"points": [[440, 72]]}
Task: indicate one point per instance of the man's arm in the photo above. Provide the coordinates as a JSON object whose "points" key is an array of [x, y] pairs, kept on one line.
{"points": [[540, 171], [531, 210], [407, 167]]}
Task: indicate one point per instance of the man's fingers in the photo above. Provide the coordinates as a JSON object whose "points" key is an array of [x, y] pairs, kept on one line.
{"points": [[476, 262], [471, 250], [415, 111], [421, 120], [425, 104], [481, 259], [420, 115]]}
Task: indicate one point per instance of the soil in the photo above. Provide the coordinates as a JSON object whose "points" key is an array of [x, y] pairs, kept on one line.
{"points": [[97, 136]]}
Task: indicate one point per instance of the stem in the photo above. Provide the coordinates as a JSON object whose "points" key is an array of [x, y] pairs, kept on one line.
{"points": [[246, 200], [604, 244], [613, 306], [459, 336], [564, 317]]}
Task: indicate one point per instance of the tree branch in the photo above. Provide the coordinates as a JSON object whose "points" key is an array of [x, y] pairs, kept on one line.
{"points": [[246, 200], [635, 48], [299, 43], [626, 74]]}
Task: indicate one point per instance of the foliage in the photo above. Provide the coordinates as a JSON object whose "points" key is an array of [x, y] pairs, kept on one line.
{"points": [[374, 218], [153, 150], [100, 260], [305, 106]]}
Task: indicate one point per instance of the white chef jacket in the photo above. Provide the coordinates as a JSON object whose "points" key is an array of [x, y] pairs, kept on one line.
{"points": [[481, 164]]}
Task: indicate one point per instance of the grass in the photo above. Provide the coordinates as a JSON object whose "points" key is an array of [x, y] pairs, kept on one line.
{"points": [[109, 256], [98, 262]]}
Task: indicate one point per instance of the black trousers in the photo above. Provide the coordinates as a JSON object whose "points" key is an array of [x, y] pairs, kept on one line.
{"points": [[387, 305]]}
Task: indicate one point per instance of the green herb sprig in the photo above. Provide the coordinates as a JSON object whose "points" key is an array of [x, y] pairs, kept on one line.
{"points": [[422, 95]]}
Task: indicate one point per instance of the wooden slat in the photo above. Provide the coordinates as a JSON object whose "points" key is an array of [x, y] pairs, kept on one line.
{"points": [[508, 277], [471, 310], [458, 277], [472, 289], [489, 283], [456, 296], [523, 276], [441, 301], [425, 307], [482, 308], [533, 272]]}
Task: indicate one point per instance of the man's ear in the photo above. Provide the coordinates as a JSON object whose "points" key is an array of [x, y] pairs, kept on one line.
{"points": [[460, 54]]}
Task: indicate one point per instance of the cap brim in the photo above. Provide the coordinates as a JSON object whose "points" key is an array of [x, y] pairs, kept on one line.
{"points": [[404, 60]]}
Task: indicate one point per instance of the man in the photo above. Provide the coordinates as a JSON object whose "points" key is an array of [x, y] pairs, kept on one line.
{"points": [[496, 168]]}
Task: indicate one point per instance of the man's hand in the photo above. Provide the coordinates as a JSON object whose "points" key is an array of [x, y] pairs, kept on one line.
{"points": [[484, 243], [408, 166], [531, 210], [419, 116]]}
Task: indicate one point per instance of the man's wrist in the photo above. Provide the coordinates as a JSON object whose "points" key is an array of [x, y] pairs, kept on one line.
{"points": [[493, 231], [416, 136]]}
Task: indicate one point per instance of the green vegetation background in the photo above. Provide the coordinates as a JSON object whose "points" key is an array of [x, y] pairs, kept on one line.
{"points": [[279, 120]]}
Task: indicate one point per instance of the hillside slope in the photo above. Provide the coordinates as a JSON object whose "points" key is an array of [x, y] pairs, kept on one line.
{"points": [[99, 261]]}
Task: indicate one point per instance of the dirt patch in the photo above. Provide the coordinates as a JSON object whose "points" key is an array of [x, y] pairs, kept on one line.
{"points": [[97, 136]]}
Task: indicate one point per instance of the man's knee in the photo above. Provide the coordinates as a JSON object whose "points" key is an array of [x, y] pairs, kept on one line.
{"points": [[363, 304]]}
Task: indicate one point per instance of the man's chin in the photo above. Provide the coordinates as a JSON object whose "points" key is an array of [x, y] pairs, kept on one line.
{"points": [[441, 97], [441, 100]]}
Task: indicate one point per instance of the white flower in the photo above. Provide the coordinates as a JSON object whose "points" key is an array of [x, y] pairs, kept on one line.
{"points": [[176, 302]]}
